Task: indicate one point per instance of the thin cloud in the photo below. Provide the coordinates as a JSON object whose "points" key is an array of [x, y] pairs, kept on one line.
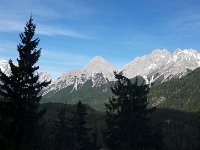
{"points": [[10, 26], [50, 31], [13, 16], [17, 26], [45, 9]]}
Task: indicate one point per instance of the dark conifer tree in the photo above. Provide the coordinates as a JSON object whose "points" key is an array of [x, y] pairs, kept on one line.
{"points": [[62, 132], [21, 90], [127, 123], [94, 143], [81, 140]]}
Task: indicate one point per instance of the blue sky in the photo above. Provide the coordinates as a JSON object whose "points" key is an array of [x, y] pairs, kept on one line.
{"points": [[74, 31]]}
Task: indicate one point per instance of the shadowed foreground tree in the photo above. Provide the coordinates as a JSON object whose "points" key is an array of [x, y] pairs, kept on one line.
{"points": [[70, 131], [81, 140], [127, 121], [21, 92], [62, 132]]}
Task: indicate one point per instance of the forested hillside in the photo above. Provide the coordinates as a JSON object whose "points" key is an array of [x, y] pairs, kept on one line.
{"points": [[178, 93], [179, 129]]}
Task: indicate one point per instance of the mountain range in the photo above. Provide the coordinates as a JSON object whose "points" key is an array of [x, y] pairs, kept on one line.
{"points": [[157, 67], [92, 82], [5, 67]]}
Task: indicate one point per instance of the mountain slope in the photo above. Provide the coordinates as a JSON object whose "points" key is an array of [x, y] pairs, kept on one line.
{"points": [[94, 96], [162, 65], [180, 94], [92, 82], [98, 70], [177, 93], [5, 67]]}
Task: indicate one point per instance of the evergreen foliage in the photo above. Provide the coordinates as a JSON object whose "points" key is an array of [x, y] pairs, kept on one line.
{"points": [[70, 131], [63, 135], [81, 140], [178, 93], [127, 124], [94, 96], [21, 93], [178, 129]]}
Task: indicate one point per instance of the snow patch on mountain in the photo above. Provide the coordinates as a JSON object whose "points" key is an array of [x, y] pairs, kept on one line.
{"points": [[98, 70], [5, 67], [161, 63], [147, 64], [43, 75]]}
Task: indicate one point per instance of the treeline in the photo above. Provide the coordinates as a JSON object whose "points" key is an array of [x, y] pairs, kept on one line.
{"points": [[178, 130], [70, 132]]}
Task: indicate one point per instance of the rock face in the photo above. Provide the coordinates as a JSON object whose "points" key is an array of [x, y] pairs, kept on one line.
{"points": [[5, 67], [98, 70], [162, 65]]}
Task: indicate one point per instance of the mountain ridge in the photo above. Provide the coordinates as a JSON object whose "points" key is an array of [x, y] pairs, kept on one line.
{"points": [[156, 67], [159, 66]]}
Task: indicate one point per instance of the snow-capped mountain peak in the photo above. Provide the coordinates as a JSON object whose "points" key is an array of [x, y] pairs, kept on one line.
{"points": [[5, 67], [186, 54], [146, 64], [160, 52], [98, 70], [163, 63]]}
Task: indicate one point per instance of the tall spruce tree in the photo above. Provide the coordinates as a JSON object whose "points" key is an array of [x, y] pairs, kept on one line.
{"points": [[127, 123], [21, 90], [81, 140], [62, 132]]}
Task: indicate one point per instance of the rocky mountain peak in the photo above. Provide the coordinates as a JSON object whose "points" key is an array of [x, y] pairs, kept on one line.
{"points": [[5, 67], [98, 70], [97, 59], [159, 65], [186, 53], [160, 52], [98, 64], [163, 64], [147, 64]]}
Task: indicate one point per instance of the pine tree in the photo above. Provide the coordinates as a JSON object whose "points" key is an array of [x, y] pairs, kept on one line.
{"points": [[21, 90], [81, 140], [62, 132], [94, 143], [127, 123]]}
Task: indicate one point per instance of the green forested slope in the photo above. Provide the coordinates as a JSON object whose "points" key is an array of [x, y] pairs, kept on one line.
{"points": [[179, 93], [94, 96]]}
